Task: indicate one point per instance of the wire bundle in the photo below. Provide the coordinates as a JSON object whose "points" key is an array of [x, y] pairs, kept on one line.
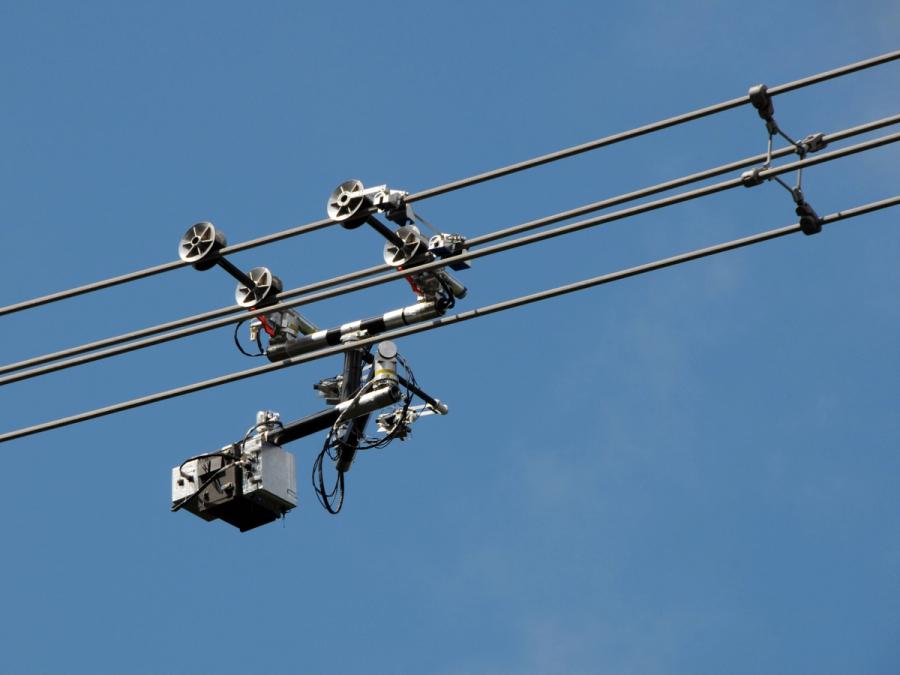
{"points": [[336, 441]]}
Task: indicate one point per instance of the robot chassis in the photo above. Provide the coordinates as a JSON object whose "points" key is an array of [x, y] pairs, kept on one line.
{"points": [[253, 481]]}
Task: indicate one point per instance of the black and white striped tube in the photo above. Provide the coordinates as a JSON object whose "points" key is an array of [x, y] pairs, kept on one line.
{"points": [[421, 311]]}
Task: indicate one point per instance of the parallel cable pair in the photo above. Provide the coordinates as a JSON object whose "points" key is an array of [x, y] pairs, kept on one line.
{"points": [[449, 320], [237, 310], [472, 180], [773, 172]]}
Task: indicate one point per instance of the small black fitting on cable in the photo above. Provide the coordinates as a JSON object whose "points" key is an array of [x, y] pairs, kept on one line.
{"points": [[810, 223], [762, 101]]}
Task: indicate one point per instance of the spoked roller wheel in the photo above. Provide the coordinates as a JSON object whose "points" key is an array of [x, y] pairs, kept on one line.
{"points": [[347, 203], [201, 245], [267, 287], [413, 245]]}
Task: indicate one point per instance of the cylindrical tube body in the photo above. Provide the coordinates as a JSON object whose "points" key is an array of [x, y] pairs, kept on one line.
{"points": [[325, 419], [397, 318], [384, 368]]}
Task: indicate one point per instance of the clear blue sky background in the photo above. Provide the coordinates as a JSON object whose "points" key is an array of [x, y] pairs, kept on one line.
{"points": [[694, 471]]}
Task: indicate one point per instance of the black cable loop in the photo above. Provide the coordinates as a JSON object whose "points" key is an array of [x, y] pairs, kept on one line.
{"points": [[237, 342]]}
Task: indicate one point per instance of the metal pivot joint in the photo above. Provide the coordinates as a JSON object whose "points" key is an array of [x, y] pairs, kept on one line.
{"points": [[761, 99]]}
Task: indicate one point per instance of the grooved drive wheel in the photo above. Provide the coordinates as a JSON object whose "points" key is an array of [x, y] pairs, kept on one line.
{"points": [[200, 245], [346, 204], [268, 286]]}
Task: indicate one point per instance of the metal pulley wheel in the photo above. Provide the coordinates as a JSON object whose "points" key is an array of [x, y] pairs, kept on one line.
{"points": [[347, 205], [267, 288], [201, 245], [414, 244]]}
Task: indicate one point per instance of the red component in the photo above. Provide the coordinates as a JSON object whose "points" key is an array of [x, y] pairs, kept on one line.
{"points": [[416, 289], [265, 324]]}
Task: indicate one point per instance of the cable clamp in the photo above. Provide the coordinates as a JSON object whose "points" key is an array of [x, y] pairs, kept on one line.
{"points": [[813, 143], [353, 336], [751, 177], [810, 223], [351, 204], [392, 203], [762, 101], [445, 245]]}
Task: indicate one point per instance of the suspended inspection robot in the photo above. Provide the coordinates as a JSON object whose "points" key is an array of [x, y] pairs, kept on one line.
{"points": [[253, 481]]}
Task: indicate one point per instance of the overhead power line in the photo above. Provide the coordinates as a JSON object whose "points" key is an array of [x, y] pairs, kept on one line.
{"points": [[650, 128], [448, 320], [472, 180], [237, 310], [469, 255]]}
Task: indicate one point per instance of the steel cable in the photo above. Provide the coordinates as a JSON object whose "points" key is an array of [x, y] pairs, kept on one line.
{"points": [[448, 320], [237, 310], [473, 180], [472, 254]]}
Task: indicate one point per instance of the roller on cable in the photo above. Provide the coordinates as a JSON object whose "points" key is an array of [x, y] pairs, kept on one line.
{"points": [[352, 205]]}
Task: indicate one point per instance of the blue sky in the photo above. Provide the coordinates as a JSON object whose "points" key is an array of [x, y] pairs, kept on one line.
{"points": [[690, 471]]}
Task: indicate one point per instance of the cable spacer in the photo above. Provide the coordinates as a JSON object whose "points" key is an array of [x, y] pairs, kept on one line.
{"points": [[751, 177]]}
